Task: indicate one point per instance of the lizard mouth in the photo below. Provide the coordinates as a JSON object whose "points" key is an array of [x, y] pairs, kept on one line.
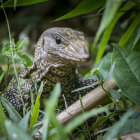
{"points": [[82, 58]]}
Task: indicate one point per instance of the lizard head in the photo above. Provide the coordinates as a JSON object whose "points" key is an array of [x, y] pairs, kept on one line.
{"points": [[65, 43]]}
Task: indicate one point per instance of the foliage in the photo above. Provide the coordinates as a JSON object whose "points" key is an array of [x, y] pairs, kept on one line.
{"points": [[122, 63], [84, 7], [15, 3], [15, 52], [36, 107], [127, 67]]}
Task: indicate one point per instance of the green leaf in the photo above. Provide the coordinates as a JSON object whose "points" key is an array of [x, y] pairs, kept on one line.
{"points": [[2, 120], [14, 115], [15, 132], [136, 47], [45, 127], [84, 7], [10, 3], [7, 51], [134, 41], [109, 30], [104, 67], [103, 119], [54, 95], [50, 112], [26, 59], [36, 107], [109, 13], [126, 36], [127, 72], [132, 126], [1, 76], [115, 94], [24, 122], [20, 43], [83, 117], [85, 87], [115, 129]]}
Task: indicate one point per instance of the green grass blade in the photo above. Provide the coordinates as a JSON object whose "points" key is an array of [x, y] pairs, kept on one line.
{"points": [[126, 36], [84, 7], [1, 76], [2, 120], [109, 30], [15, 132], [111, 9], [24, 122], [11, 3], [59, 128], [36, 107], [15, 2], [45, 127], [54, 95], [14, 115], [50, 108]]}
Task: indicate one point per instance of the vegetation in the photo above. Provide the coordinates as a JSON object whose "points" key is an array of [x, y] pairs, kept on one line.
{"points": [[115, 49]]}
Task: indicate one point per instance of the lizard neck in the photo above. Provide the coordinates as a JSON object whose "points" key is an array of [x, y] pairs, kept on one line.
{"points": [[66, 75]]}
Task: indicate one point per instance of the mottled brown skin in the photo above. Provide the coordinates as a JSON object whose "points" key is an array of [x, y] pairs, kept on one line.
{"points": [[57, 54]]}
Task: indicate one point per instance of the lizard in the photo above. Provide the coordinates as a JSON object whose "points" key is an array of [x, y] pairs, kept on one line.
{"points": [[57, 53]]}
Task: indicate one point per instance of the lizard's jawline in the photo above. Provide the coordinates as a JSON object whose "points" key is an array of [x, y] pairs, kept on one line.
{"points": [[71, 58]]}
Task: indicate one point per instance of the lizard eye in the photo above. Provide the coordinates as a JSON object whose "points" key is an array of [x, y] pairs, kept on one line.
{"points": [[58, 40]]}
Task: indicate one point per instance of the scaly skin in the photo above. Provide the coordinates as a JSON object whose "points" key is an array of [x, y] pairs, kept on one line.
{"points": [[57, 54]]}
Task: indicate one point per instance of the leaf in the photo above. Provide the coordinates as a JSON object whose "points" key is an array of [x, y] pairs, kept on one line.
{"points": [[14, 115], [109, 30], [54, 95], [136, 47], [10, 3], [2, 120], [85, 87], [50, 107], [111, 8], [20, 43], [134, 41], [7, 51], [26, 59], [50, 112], [132, 126], [131, 29], [115, 94], [45, 127], [1, 71], [24, 122], [81, 118], [103, 119], [36, 107], [84, 7], [127, 72], [115, 129], [1, 76], [15, 132], [104, 67]]}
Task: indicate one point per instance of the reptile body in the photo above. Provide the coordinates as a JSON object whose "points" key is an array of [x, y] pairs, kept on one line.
{"points": [[57, 54]]}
